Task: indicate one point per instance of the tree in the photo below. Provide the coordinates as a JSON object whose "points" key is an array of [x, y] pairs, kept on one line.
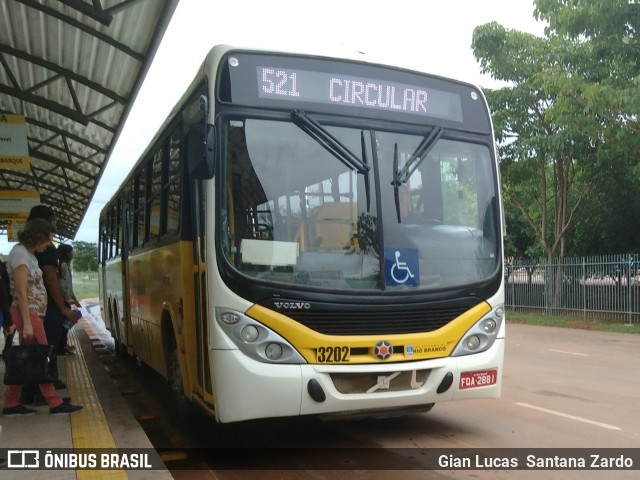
{"points": [[568, 121], [608, 223], [607, 30], [605, 79], [569, 118], [542, 154], [520, 241], [85, 256]]}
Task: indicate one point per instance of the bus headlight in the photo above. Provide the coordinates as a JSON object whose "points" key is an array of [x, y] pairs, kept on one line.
{"points": [[229, 317], [249, 333], [489, 325], [273, 351], [256, 340], [482, 335], [473, 342]]}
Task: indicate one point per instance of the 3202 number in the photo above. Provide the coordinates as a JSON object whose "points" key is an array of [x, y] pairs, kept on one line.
{"points": [[332, 354]]}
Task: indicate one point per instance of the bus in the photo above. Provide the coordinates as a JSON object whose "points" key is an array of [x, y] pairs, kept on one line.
{"points": [[308, 235]]}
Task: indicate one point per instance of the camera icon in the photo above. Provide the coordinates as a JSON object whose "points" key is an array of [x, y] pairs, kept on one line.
{"points": [[23, 459]]}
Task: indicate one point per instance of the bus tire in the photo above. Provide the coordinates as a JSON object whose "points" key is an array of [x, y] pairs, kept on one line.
{"points": [[115, 321], [174, 374]]}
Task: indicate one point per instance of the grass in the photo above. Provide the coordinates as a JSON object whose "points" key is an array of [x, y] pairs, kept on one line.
{"points": [[85, 285], [571, 322]]}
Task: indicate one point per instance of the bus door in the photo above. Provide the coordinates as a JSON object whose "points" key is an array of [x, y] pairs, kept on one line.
{"points": [[198, 205], [124, 327], [102, 275]]}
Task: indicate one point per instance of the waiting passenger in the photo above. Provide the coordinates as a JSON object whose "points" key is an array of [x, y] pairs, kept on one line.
{"points": [[28, 308], [65, 254], [56, 311]]}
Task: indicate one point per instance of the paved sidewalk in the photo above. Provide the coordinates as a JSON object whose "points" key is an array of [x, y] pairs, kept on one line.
{"points": [[105, 423]]}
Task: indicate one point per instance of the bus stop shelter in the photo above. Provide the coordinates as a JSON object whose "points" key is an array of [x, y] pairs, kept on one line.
{"points": [[70, 71]]}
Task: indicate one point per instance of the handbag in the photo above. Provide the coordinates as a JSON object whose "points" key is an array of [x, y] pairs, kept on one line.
{"points": [[28, 364]]}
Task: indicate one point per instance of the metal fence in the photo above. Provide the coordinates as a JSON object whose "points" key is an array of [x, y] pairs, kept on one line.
{"points": [[604, 287]]}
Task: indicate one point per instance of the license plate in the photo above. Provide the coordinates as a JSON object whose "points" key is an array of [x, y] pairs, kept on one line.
{"points": [[482, 378]]}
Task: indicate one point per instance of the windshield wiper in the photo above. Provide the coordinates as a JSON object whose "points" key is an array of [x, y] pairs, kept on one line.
{"points": [[336, 148], [316, 131], [417, 157], [396, 184], [367, 187]]}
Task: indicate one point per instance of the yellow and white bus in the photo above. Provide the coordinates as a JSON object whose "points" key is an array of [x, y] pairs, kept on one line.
{"points": [[311, 235]]}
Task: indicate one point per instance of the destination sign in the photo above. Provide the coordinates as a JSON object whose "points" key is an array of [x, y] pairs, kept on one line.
{"points": [[331, 88], [346, 87]]}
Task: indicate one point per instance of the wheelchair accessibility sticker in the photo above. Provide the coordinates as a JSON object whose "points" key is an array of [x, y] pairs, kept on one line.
{"points": [[401, 267]]}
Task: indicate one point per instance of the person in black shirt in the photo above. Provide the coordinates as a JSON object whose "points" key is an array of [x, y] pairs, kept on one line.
{"points": [[8, 329], [57, 310]]}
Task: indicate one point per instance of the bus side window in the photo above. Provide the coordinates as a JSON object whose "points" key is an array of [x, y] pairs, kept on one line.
{"points": [[172, 188], [153, 197]]}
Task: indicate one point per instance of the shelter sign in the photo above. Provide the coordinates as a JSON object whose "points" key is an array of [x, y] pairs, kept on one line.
{"points": [[13, 229], [14, 147], [15, 205]]}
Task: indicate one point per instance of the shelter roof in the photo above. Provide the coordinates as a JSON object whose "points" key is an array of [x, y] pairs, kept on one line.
{"points": [[73, 68]]}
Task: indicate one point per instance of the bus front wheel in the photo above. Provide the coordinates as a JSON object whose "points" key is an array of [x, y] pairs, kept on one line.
{"points": [[174, 374], [115, 322]]}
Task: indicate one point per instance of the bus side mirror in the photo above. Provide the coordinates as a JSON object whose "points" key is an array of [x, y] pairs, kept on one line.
{"points": [[200, 150]]}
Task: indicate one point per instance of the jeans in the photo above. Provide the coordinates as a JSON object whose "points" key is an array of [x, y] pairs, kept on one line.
{"points": [[53, 327]]}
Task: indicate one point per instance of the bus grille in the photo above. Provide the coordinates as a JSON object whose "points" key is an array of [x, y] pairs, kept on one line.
{"points": [[369, 322], [356, 383]]}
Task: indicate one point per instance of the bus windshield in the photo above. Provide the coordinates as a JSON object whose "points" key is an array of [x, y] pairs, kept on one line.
{"points": [[347, 208]]}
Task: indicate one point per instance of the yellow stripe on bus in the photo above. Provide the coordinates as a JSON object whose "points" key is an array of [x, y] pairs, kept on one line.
{"points": [[307, 341]]}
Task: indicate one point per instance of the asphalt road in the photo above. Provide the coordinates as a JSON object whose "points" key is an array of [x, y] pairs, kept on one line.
{"points": [[562, 388]]}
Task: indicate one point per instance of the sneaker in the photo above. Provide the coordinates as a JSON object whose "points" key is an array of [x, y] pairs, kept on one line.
{"points": [[64, 409], [18, 410]]}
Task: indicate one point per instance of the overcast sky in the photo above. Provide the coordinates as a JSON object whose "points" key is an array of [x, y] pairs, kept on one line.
{"points": [[425, 35]]}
